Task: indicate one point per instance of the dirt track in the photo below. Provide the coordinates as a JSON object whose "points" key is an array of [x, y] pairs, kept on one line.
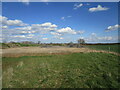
{"points": [[33, 51]]}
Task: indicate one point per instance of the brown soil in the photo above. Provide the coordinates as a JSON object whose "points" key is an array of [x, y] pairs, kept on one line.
{"points": [[38, 51]]}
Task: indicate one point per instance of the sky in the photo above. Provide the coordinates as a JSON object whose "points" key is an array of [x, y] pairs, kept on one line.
{"points": [[60, 22]]}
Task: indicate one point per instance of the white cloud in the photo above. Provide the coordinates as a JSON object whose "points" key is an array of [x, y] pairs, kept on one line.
{"points": [[45, 0], [62, 18], [67, 30], [37, 31], [3, 19], [48, 24], [44, 28], [23, 36], [113, 28], [93, 34], [61, 38], [45, 38], [87, 4], [19, 36], [24, 1], [76, 6], [25, 28], [98, 8], [69, 16], [80, 32], [15, 23], [31, 35], [95, 38], [4, 27], [55, 33], [27, 32], [58, 37], [105, 38], [34, 28], [7, 22]]}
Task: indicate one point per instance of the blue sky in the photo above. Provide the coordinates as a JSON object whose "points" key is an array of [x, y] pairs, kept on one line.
{"points": [[60, 22]]}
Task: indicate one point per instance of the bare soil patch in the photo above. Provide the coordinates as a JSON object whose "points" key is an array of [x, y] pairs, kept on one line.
{"points": [[37, 51]]}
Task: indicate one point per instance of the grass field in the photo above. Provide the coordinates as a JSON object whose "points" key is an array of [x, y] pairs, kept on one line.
{"points": [[112, 48], [12, 45], [77, 70]]}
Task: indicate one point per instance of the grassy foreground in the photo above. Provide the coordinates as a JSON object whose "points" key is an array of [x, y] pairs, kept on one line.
{"points": [[78, 70], [112, 48]]}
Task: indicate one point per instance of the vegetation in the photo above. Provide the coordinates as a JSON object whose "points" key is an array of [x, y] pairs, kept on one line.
{"points": [[81, 41], [71, 44], [112, 48], [12, 45], [77, 70]]}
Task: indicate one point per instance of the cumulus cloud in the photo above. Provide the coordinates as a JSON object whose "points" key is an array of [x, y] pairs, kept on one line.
{"points": [[76, 6], [105, 38], [61, 38], [63, 18], [45, 0], [5, 21], [23, 36], [14, 23], [48, 24], [19, 36], [31, 35], [93, 34], [24, 28], [80, 32], [98, 8], [113, 28], [95, 38], [55, 33], [34, 32], [24, 1], [44, 27], [58, 37], [67, 30], [2, 18], [4, 27], [45, 38], [27, 32], [69, 16], [87, 4]]}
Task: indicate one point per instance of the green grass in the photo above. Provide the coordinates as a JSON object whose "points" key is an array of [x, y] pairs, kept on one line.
{"points": [[10, 45], [78, 70], [113, 48]]}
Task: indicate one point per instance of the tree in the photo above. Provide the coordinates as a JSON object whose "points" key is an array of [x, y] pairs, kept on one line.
{"points": [[39, 42], [71, 44], [80, 42]]}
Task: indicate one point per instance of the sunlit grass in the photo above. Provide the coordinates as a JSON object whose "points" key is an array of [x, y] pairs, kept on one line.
{"points": [[112, 48], [77, 70]]}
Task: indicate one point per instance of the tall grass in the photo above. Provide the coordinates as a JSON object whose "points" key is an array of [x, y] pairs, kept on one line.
{"points": [[77, 70], [113, 48]]}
